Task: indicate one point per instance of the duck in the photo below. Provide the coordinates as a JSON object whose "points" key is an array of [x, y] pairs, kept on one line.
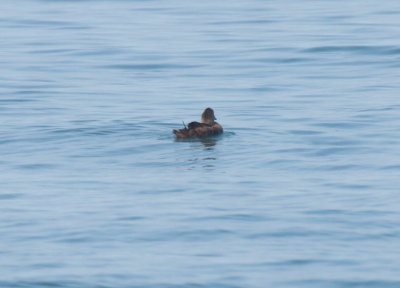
{"points": [[205, 128]]}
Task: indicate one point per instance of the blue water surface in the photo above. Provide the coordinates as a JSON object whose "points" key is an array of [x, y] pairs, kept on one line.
{"points": [[302, 189]]}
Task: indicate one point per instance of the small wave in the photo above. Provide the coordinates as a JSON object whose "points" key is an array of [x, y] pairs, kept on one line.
{"points": [[150, 66], [346, 283], [9, 196], [288, 234], [341, 125], [243, 22], [51, 51], [67, 25], [78, 284], [337, 150], [36, 166], [281, 60], [17, 100], [307, 262], [230, 217], [370, 50], [305, 132]]}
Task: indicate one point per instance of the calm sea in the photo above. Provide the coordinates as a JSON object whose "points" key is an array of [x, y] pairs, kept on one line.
{"points": [[302, 190]]}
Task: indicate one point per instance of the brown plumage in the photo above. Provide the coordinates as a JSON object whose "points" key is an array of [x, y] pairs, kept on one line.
{"points": [[206, 127]]}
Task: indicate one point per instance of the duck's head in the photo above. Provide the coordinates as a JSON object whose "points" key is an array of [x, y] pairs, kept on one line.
{"points": [[208, 116]]}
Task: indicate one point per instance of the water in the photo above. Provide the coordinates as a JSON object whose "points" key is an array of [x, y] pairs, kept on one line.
{"points": [[300, 191]]}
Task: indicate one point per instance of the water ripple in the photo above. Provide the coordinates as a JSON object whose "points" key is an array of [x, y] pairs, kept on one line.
{"points": [[363, 50], [150, 66], [300, 191]]}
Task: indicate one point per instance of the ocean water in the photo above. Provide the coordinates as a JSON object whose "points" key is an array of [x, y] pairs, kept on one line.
{"points": [[302, 189]]}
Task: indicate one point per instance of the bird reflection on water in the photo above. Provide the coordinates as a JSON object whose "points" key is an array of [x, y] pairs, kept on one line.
{"points": [[202, 147], [209, 143]]}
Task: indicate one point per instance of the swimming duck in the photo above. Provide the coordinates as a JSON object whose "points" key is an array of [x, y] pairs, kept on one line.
{"points": [[206, 127]]}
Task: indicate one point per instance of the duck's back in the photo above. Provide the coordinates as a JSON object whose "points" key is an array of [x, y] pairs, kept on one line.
{"points": [[199, 130]]}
